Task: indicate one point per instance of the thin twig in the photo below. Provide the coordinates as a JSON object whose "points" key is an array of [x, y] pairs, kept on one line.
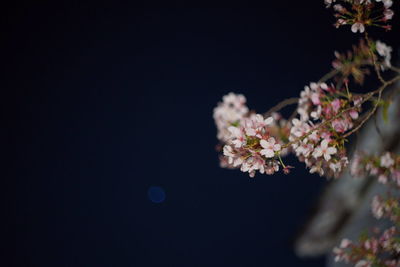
{"points": [[294, 100], [379, 91], [378, 130], [294, 114], [394, 69], [366, 97], [376, 67], [329, 75], [282, 104], [366, 117]]}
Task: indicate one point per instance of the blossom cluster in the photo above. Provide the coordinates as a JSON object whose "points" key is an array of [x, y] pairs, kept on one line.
{"points": [[251, 147], [229, 112], [250, 141], [383, 249], [362, 13], [386, 167], [385, 53], [355, 62], [325, 114], [254, 144], [388, 207], [371, 251]]}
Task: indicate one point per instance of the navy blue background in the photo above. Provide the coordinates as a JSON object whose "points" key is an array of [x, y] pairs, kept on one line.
{"points": [[104, 101]]}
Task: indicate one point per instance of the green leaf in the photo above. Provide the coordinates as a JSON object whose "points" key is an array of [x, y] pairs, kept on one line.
{"points": [[236, 123], [364, 236], [385, 113]]}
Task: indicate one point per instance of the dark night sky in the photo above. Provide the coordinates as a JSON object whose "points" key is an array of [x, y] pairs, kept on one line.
{"points": [[103, 101]]}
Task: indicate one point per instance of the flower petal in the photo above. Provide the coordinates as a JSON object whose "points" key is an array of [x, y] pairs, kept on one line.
{"points": [[264, 143], [268, 153], [268, 120]]}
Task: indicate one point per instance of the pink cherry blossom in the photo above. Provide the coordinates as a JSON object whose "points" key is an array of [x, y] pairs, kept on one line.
{"points": [[324, 150], [269, 147], [239, 138], [336, 105], [386, 160], [231, 111]]}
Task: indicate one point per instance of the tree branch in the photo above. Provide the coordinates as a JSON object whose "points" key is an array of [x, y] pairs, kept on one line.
{"points": [[366, 97], [282, 104]]}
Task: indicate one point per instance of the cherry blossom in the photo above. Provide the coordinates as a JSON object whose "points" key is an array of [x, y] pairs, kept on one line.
{"points": [[324, 150], [251, 143], [386, 3], [385, 167], [269, 147], [239, 137], [361, 14], [327, 113], [386, 160], [384, 51], [229, 112], [358, 26], [369, 250]]}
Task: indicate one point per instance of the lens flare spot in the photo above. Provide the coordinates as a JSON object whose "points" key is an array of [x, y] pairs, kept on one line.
{"points": [[156, 194]]}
